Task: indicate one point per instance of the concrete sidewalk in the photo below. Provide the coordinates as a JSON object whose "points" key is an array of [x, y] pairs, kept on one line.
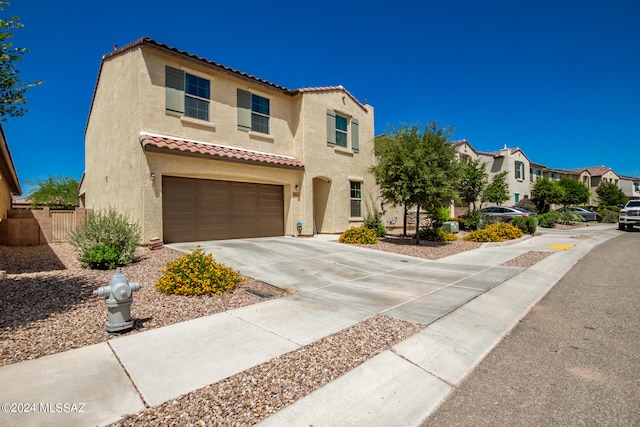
{"points": [[469, 302]]}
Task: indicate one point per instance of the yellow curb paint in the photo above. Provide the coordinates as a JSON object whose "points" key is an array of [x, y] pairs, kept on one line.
{"points": [[561, 247]]}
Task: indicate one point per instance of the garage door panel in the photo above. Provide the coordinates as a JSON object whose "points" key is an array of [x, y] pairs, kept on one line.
{"points": [[198, 209]]}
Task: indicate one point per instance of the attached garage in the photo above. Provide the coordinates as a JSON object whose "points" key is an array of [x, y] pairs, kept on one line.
{"points": [[201, 209]]}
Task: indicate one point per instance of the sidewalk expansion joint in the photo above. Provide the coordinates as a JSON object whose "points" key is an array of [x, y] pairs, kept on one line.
{"points": [[453, 386], [144, 402]]}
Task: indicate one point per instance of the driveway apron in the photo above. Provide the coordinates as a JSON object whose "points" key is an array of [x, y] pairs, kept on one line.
{"points": [[330, 277]]}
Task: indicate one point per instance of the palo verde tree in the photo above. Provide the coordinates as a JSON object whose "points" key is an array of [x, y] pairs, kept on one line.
{"points": [[610, 195], [12, 90], [416, 167], [56, 192], [498, 190], [544, 193], [574, 192], [473, 181]]}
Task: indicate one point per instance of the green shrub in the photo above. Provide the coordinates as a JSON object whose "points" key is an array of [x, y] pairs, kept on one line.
{"points": [[197, 273], [360, 235], [373, 221], [106, 240], [548, 220], [437, 235], [438, 215], [495, 233], [528, 225], [473, 220], [609, 216], [611, 208], [569, 217]]}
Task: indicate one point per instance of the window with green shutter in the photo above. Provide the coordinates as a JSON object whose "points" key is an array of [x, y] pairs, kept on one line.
{"points": [[253, 112], [338, 131], [186, 94], [341, 130]]}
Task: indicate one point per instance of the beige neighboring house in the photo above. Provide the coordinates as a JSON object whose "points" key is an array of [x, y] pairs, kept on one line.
{"points": [[630, 186], [9, 183], [592, 177], [512, 160], [193, 150]]}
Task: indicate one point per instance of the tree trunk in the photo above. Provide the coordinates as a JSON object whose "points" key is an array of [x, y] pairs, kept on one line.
{"points": [[404, 222], [417, 224]]}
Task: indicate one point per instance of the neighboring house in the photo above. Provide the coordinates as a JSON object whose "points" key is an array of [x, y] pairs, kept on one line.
{"points": [[193, 150], [513, 160], [9, 184], [630, 186], [593, 177]]}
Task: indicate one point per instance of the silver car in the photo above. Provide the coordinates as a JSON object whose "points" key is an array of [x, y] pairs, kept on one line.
{"points": [[506, 214], [586, 214]]}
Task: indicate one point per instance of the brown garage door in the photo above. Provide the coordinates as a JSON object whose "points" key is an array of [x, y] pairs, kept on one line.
{"points": [[201, 209]]}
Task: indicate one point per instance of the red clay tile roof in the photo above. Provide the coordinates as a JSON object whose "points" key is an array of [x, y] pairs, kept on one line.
{"points": [[146, 41], [339, 88], [594, 170], [221, 152]]}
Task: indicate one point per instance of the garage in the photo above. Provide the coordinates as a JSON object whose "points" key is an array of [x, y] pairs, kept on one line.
{"points": [[201, 209]]}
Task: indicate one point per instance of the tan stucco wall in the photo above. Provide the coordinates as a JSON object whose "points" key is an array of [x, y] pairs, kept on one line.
{"points": [[130, 98], [334, 167], [5, 197], [114, 163]]}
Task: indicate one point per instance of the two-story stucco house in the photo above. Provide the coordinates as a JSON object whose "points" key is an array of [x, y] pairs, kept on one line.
{"points": [[519, 175], [193, 150]]}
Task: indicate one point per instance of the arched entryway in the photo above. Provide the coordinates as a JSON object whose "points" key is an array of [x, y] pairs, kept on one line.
{"points": [[321, 189]]}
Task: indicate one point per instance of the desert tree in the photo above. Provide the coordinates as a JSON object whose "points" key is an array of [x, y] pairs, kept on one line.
{"points": [[12, 89], [473, 181], [574, 192], [416, 166], [545, 192], [498, 190], [54, 192]]}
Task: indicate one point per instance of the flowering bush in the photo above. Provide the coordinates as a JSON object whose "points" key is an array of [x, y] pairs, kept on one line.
{"points": [[495, 233], [359, 235], [197, 273]]}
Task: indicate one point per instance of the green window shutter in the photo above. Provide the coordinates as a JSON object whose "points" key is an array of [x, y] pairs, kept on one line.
{"points": [[244, 110], [174, 83], [331, 127], [355, 143]]}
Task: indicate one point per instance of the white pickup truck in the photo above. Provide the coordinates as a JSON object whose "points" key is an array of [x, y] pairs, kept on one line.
{"points": [[629, 215]]}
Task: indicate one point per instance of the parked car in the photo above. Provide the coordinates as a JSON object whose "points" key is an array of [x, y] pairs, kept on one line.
{"points": [[629, 215], [585, 213], [506, 214]]}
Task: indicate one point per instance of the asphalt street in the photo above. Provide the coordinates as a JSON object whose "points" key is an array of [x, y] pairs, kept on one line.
{"points": [[573, 360]]}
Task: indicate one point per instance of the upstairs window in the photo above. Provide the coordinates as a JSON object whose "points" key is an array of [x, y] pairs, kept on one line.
{"points": [[259, 114], [519, 170], [342, 130], [186, 94], [253, 112], [355, 199]]}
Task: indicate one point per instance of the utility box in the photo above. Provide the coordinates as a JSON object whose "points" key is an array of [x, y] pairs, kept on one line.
{"points": [[451, 226]]}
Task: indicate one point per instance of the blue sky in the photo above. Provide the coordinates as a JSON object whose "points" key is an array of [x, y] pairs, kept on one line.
{"points": [[559, 79]]}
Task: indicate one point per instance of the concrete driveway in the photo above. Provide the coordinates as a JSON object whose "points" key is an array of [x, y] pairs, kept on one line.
{"points": [[344, 278]]}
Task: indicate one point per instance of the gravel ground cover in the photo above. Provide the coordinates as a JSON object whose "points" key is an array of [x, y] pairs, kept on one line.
{"points": [[250, 396], [47, 306]]}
